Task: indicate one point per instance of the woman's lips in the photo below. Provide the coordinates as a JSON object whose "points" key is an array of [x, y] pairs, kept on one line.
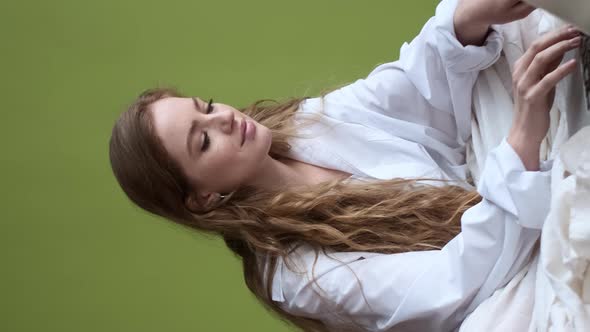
{"points": [[243, 131], [250, 130]]}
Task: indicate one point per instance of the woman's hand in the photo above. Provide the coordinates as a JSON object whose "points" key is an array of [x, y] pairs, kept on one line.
{"points": [[535, 75], [472, 18]]}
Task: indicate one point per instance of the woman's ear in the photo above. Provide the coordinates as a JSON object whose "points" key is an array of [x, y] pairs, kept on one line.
{"points": [[201, 201]]}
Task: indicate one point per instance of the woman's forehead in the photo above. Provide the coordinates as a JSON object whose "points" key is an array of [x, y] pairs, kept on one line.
{"points": [[171, 118], [171, 103]]}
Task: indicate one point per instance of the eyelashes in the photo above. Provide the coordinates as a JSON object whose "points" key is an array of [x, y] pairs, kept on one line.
{"points": [[208, 110], [206, 140], [209, 106]]}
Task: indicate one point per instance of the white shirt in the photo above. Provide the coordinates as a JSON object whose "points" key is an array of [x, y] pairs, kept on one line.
{"points": [[412, 118], [415, 112]]}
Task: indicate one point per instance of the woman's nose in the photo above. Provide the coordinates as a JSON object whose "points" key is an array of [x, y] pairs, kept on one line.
{"points": [[225, 120]]}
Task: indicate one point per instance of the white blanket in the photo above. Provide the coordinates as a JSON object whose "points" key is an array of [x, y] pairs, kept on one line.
{"points": [[553, 292]]}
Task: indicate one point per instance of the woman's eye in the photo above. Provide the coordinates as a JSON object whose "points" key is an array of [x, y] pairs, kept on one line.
{"points": [[210, 106], [206, 141]]}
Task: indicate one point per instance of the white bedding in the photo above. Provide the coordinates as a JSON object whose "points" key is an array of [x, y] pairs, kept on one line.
{"points": [[553, 292]]}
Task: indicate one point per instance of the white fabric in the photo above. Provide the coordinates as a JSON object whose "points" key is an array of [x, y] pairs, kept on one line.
{"points": [[409, 118], [551, 293], [492, 93], [510, 308], [563, 279]]}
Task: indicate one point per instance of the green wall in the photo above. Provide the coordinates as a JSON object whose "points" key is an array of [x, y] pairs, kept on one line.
{"points": [[76, 255]]}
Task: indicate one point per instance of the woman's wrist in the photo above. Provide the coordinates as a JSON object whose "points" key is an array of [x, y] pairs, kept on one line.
{"points": [[527, 150]]}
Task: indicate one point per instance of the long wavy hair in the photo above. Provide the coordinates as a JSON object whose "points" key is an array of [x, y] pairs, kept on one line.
{"points": [[384, 216]]}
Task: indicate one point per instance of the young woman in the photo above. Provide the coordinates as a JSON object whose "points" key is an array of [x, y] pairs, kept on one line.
{"points": [[352, 210]]}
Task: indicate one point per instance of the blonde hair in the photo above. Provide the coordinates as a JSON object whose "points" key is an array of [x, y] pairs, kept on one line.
{"points": [[385, 216]]}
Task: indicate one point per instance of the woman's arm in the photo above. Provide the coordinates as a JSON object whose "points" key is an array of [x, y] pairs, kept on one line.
{"points": [[431, 82], [430, 290], [473, 18], [470, 33]]}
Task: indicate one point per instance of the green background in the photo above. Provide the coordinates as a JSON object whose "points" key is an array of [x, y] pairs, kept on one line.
{"points": [[76, 255]]}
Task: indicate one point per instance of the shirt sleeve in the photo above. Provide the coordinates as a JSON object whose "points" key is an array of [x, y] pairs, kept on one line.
{"points": [[434, 73], [430, 290]]}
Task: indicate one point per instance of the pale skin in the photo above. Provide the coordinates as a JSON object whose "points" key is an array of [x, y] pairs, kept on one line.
{"points": [[219, 162], [473, 18], [222, 158]]}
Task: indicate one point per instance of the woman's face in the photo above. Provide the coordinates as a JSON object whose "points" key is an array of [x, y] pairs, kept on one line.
{"points": [[219, 148]]}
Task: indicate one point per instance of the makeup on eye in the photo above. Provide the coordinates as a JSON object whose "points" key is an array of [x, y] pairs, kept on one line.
{"points": [[208, 110], [210, 106], [206, 140]]}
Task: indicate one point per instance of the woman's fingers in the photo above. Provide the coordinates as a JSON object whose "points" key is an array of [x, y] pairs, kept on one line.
{"points": [[541, 44], [551, 79], [543, 60]]}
